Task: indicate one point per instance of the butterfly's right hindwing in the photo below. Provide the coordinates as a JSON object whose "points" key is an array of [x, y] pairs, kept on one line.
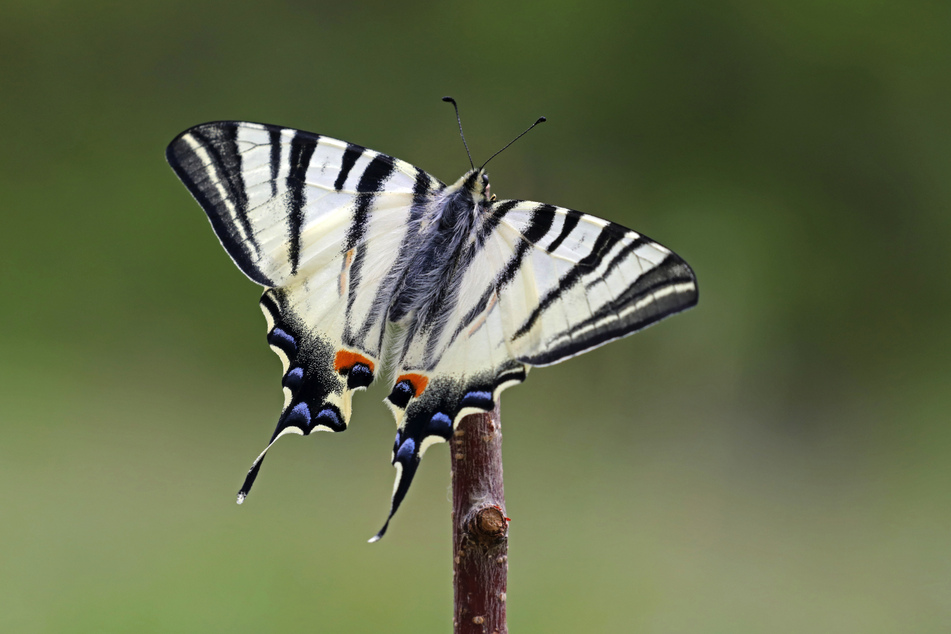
{"points": [[323, 224]]}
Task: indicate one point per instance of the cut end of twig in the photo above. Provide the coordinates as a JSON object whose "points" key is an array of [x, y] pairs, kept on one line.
{"points": [[489, 524]]}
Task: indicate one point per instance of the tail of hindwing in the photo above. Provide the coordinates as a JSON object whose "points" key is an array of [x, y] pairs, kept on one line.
{"points": [[319, 378], [428, 409]]}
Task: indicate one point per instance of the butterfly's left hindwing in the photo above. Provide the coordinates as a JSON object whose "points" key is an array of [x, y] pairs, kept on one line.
{"points": [[322, 223]]}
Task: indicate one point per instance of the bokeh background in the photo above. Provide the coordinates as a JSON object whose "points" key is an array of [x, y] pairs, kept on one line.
{"points": [[776, 460]]}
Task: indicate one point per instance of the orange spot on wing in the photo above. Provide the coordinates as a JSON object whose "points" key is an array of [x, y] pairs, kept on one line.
{"points": [[346, 360], [418, 381]]}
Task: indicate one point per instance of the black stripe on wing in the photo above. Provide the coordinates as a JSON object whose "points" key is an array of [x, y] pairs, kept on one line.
{"points": [[274, 136], [667, 289], [350, 156], [302, 149], [207, 160], [622, 256], [372, 180], [571, 221]]}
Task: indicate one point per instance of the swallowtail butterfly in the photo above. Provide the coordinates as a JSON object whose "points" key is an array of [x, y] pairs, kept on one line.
{"points": [[369, 263]]}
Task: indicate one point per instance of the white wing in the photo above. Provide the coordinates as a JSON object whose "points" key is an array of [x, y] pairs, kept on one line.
{"points": [[322, 223], [537, 284], [591, 282]]}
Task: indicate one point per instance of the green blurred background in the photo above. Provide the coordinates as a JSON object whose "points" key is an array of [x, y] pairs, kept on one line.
{"points": [[776, 460]]}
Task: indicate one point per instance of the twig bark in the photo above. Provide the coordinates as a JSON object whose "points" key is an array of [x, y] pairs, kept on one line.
{"points": [[479, 526]]}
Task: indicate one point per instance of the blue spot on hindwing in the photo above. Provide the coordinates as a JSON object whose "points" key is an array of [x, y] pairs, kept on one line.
{"points": [[293, 379], [359, 376], [439, 425], [280, 339], [480, 399], [298, 416], [401, 394], [406, 451], [330, 416]]}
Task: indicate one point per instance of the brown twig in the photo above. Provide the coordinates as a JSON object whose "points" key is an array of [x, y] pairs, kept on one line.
{"points": [[479, 526]]}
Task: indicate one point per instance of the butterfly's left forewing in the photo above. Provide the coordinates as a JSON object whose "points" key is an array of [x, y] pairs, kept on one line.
{"points": [[324, 225]]}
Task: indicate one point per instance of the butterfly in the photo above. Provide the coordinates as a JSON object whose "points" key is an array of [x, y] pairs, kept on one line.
{"points": [[370, 263]]}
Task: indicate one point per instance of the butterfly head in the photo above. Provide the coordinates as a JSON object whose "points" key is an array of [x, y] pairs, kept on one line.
{"points": [[470, 191], [476, 183], [463, 201]]}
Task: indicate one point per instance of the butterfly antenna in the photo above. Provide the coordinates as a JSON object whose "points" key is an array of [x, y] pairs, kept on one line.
{"points": [[453, 102], [540, 120]]}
